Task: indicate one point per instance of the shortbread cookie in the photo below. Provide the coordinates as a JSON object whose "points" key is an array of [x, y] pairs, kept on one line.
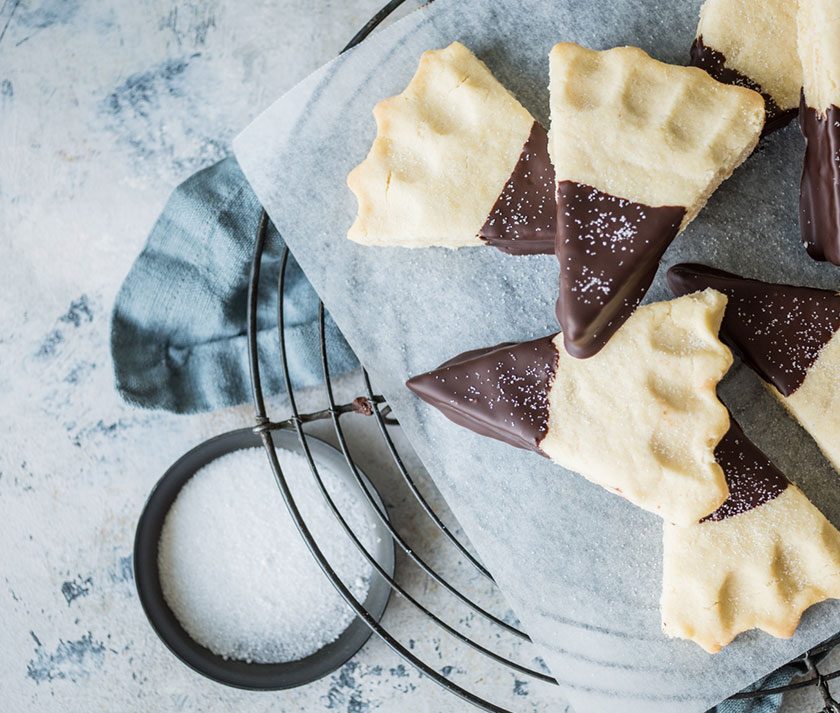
{"points": [[641, 418], [457, 161], [758, 562], [819, 117], [789, 336], [638, 147], [752, 43]]}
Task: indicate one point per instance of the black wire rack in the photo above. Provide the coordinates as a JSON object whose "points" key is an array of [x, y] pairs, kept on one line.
{"points": [[373, 405]]}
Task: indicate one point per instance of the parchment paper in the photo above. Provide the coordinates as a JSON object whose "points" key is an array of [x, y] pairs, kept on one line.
{"points": [[580, 567]]}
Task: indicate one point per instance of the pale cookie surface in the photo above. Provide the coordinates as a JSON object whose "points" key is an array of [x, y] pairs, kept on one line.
{"points": [[645, 131], [758, 570], [819, 50], [816, 403], [642, 418], [758, 39], [789, 335], [444, 149]]}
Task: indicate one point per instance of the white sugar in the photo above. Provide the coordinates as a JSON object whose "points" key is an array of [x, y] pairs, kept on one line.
{"points": [[236, 572]]}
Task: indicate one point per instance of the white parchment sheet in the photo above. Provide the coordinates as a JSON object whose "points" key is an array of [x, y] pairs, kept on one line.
{"points": [[580, 567]]}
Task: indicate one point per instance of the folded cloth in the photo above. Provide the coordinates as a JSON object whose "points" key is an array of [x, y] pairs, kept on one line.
{"points": [[780, 677], [761, 704], [178, 331]]}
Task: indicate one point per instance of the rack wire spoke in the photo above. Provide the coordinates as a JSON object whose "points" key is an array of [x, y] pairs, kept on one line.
{"points": [[409, 481], [398, 538], [346, 594], [268, 444], [336, 412], [392, 583], [363, 486]]}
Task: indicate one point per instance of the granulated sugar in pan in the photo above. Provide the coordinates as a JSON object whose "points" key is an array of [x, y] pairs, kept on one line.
{"points": [[237, 574]]}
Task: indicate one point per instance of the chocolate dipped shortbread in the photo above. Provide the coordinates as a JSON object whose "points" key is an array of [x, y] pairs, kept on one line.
{"points": [[757, 562], [752, 43], [819, 118], [638, 146], [788, 335], [456, 161], [641, 418]]}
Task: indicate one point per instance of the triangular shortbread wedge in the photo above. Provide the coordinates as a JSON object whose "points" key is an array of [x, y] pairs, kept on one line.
{"points": [[638, 147], [457, 161], [789, 336], [641, 418], [752, 43], [758, 562], [818, 23]]}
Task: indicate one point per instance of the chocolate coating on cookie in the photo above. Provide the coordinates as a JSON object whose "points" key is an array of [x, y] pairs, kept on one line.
{"points": [[752, 479], [714, 62], [609, 250], [500, 392], [778, 330], [523, 218], [819, 193]]}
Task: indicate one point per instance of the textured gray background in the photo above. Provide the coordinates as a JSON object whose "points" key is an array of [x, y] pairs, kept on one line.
{"points": [[581, 568], [104, 107]]}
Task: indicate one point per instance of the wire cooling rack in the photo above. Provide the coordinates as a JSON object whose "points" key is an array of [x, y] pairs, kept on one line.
{"points": [[372, 405]]}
